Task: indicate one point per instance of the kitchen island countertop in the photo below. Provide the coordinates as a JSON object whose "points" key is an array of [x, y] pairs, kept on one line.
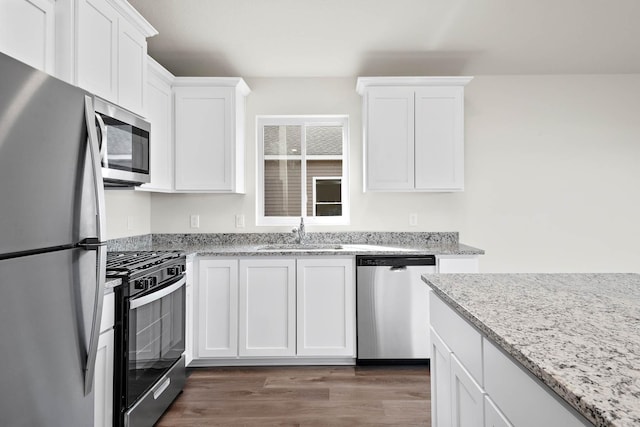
{"points": [[578, 333]]}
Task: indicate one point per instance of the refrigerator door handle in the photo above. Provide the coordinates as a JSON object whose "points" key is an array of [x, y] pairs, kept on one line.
{"points": [[95, 244], [92, 350], [90, 116]]}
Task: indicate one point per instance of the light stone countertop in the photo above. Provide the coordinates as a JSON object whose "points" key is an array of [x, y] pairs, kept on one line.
{"points": [[578, 333], [317, 249], [273, 244]]}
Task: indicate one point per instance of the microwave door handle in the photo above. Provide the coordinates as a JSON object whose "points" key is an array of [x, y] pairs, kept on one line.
{"points": [[102, 142], [155, 296]]}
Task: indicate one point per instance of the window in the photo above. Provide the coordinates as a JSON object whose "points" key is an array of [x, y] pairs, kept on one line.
{"points": [[302, 170]]}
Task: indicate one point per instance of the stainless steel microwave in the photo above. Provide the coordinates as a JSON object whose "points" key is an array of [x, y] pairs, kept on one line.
{"points": [[124, 145]]}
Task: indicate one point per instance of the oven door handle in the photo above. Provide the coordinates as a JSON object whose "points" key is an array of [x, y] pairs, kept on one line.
{"points": [[155, 296]]}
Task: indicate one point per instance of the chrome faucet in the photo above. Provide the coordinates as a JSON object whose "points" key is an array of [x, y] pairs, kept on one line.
{"points": [[300, 232]]}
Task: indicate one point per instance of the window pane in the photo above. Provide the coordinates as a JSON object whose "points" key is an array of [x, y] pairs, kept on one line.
{"points": [[328, 190], [282, 188], [282, 140], [329, 210], [320, 168], [324, 140]]}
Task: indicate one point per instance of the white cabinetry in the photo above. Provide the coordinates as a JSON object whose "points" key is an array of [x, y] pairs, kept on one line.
{"points": [[492, 415], [160, 114], [467, 397], [458, 264], [103, 382], [97, 41], [275, 310], [326, 306], [188, 313], [111, 48], [27, 32], [209, 134], [267, 307], [413, 131], [217, 308], [473, 383]]}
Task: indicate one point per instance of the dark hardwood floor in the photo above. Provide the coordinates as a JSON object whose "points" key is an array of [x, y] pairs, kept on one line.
{"points": [[303, 396]]}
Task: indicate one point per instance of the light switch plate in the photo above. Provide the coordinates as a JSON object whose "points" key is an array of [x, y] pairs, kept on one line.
{"points": [[239, 221]]}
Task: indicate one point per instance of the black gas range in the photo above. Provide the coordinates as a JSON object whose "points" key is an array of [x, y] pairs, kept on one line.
{"points": [[149, 366]]}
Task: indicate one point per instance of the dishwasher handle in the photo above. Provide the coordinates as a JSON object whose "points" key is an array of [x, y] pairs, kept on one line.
{"points": [[398, 268], [394, 261]]}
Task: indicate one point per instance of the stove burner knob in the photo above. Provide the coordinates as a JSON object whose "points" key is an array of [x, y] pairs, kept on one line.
{"points": [[173, 271], [141, 284]]}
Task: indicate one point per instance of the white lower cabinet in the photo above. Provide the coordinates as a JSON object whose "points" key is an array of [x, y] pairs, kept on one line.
{"points": [[440, 382], [501, 394], [259, 310], [188, 314], [458, 264], [103, 381], [325, 309], [467, 405], [217, 308], [492, 415], [267, 307]]}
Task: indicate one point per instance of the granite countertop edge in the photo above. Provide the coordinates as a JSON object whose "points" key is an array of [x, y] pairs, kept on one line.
{"points": [[254, 250], [587, 410]]}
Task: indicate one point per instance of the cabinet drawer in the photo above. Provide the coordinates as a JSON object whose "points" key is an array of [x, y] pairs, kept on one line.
{"points": [[108, 312], [521, 397], [463, 340]]}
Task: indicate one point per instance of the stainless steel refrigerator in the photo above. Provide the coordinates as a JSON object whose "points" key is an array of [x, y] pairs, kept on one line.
{"points": [[52, 253]]}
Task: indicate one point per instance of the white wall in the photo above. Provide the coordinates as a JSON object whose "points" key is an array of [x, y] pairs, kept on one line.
{"points": [[552, 174], [128, 213]]}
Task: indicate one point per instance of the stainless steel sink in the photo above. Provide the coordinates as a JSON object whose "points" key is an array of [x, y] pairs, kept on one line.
{"points": [[300, 247]]}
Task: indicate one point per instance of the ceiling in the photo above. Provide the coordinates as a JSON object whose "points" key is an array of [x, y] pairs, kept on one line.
{"points": [[340, 38]]}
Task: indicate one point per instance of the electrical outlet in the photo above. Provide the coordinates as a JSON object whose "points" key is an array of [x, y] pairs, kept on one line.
{"points": [[239, 221], [413, 219], [195, 221]]}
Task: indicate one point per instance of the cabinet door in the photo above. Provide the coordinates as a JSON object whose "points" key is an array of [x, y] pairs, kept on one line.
{"points": [[103, 381], [326, 307], [159, 108], [97, 42], [204, 130], [132, 67], [439, 139], [467, 405], [389, 139], [217, 308], [440, 382], [492, 415], [27, 32], [188, 314], [267, 307]]}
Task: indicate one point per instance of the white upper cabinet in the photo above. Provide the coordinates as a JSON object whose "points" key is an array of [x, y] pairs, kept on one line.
{"points": [[160, 115], [27, 32], [209, 134], [413, 130], [111, 51]]}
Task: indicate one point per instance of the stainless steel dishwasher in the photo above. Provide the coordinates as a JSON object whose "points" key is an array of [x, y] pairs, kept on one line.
{"points": [[393, 308]]}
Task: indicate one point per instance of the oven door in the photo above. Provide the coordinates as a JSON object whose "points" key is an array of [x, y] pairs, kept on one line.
{"points": [[156, 336]]}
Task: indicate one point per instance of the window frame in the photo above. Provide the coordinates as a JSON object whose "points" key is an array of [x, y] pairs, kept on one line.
{"points": [[302, 120]]}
